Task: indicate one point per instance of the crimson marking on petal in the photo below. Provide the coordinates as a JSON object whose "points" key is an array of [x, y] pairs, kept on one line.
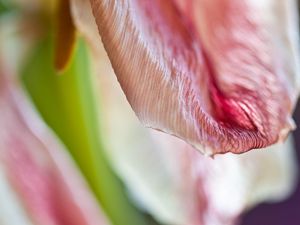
{"points": [[203, 70]]}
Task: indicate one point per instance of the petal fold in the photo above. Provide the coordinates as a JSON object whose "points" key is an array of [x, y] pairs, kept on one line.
{"points": [[175, 183], [220, 74]]}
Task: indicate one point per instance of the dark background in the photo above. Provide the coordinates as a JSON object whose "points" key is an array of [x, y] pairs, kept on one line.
{"points": [[286, 212]]}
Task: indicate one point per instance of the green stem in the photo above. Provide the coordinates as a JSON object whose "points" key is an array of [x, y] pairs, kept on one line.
{"points": [[66, 102]]}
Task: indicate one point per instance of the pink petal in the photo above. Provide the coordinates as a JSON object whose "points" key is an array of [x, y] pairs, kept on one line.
{"points": [[216, 73], [176, 184], [39, 169]]}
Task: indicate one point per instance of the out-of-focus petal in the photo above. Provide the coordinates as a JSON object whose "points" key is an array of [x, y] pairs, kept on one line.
{"points": [[12, 212], [175, 183], [219, 190], [38, 172], [38, 168], [85, 23], [166, 177], [222, 74]]}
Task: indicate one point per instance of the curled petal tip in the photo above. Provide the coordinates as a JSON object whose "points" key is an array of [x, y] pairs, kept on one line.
{"points": [[218, 74]]}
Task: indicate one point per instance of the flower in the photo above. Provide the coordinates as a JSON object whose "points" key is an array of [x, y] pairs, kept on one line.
{"points": [[222, 75], [177, 184]]}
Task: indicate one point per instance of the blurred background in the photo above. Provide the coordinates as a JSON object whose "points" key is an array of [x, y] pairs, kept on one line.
{"points": [[286, 211], [72, 152]]}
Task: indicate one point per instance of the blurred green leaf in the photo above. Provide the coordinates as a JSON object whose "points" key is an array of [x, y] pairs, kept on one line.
{"points": [[4, 7], [66, 102]]}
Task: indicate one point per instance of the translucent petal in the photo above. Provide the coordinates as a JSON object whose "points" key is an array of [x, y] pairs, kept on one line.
{"points": [[218, 74]]}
